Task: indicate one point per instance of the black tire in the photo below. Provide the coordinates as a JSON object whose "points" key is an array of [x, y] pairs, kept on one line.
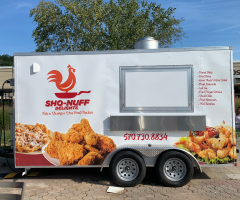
{"points": [[133, 166], [174, 169]]}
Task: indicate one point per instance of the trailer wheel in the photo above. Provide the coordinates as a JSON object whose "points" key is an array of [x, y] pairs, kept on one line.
{"points": [[127, 169], [174, 169]]}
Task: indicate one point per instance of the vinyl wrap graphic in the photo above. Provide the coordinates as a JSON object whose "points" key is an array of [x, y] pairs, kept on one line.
{"points": [[62, 113]]}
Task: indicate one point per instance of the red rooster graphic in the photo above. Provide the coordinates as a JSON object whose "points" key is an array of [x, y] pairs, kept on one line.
{"points": [[57, 78], [69, 84]]}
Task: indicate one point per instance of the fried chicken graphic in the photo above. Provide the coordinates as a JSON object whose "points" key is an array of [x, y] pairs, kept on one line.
{"points": [[90, 159], [105, 144], [51, 148], [91, 138], [92, 149], [80, 145], [69, 153]]}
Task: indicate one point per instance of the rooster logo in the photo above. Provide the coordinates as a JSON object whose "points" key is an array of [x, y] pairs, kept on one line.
{"points": [[69, 84], [57, 78]]}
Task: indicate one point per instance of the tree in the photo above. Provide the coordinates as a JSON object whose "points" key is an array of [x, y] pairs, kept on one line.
{"points": [[83, 25], [6, 60]]}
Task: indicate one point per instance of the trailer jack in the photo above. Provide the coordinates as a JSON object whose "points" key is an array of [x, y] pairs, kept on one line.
{"points": [[25, 172]]}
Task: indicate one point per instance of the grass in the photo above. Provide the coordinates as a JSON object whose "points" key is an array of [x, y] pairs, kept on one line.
{"points": [[238, 133], [237, 103], [7, 138], [7, 110]]}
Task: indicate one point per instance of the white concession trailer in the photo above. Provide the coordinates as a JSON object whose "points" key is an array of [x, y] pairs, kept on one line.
{"points": [[171, 109]]}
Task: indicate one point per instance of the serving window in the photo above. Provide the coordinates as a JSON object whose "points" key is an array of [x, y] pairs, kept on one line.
{"points": [[156, 89]]}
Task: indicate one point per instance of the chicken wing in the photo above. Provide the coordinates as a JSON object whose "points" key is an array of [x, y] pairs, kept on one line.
{"points": [[83, 127], [51, 149], [73, 136], [91, 158], [58, 136], [92, 149], [105, 144], [68, 152], [91, 138]]}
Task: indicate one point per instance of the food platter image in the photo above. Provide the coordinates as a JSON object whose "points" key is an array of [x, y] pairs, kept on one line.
{"points": [[79, 146], [216, 145], [29, 139]]}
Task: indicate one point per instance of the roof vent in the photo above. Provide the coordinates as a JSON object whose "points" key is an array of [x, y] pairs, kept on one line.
{"points": [[146, 43]]}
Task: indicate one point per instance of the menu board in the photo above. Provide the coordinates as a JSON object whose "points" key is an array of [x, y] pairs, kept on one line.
{"points": [[208, 88]]}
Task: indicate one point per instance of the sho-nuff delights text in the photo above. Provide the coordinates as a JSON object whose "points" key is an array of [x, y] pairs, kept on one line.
{"points": [[67, 105]]}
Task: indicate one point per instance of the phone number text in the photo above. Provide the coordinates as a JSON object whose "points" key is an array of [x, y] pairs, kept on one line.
{"points": [[145, 136]]}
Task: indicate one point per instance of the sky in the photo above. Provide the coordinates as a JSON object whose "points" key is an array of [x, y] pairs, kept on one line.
{"points": [[207, 23]]}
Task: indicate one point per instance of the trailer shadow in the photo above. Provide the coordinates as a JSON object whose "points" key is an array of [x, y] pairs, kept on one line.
{"points": [[198, 175], [89, 175], [151, 179], [95, 177]]}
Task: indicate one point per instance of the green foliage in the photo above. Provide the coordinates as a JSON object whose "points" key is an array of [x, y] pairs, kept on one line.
{"points": [[7, 110], [83, 25], [6, 60], [215, 160], [237, 103], [7, 138]]}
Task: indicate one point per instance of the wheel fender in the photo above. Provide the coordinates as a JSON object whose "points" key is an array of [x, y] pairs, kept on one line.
{"points": [[109, 157], [189, 155]]}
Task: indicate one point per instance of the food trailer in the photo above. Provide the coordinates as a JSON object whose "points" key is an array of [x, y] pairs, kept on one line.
{"points": [[171, 109]]}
